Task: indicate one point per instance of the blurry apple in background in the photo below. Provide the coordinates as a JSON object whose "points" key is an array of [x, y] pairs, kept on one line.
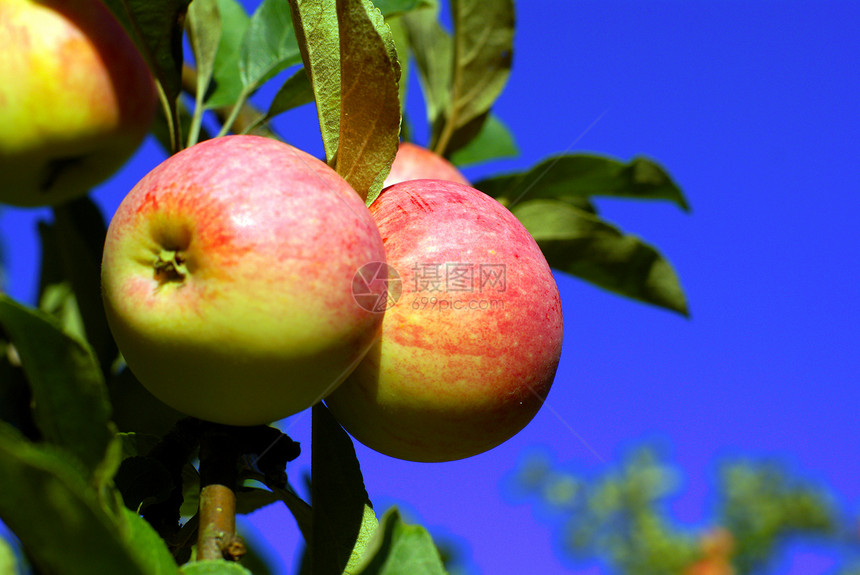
{"points": [[414, 162], [470, 349], [76, 99], [227, 279]]}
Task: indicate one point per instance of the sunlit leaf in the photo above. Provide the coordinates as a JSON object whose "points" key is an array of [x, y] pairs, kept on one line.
{"points": [[580, 243], [8, 559], [370, 108], [398, 547], [204, 35], [316, 28], [71, 407], [586, 175]]}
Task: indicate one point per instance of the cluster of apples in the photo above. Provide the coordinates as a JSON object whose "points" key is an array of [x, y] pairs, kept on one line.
{"points": [[236, 278], [244, 280]]}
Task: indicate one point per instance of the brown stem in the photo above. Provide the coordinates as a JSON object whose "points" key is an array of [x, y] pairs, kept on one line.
{"points": [[217, 533], [217, 539]]}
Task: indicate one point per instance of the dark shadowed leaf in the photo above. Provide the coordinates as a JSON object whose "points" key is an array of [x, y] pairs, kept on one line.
{"points": [[338, 496], [585, 175], [316, 28], [78, 232], [15, 394], [370, 105], [483, 52], [269, 45], [582, 244], [158, 27], [70, 400], [398, 547], [227, 85], [49, 504], [494, 141]]}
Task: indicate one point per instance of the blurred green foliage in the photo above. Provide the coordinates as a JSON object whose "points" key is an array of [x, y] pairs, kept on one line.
{"points": [[621, 516]]}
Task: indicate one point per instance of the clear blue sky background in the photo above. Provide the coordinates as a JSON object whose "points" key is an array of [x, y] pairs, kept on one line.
{"points": [[753, 108]]}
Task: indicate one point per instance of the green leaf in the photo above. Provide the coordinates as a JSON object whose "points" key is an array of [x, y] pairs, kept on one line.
{"points": [[269, 45], [316, 27], [433, 50], [8, 560], [398, 547], [47, 502], [391, 8], [70, 399], [580, 243], [401, 45], [136, 409], [59, 301], [146, 545], [369, 524], [370, 108], [584, 176], [204, 35], [213, 567], [338, 495], [15, 394], [79, 231], [296, 91], [302, 512], [159, 25], [157, 28], [226, 86], [143, 481], [250, 499], [494, 141], [483, 52]]}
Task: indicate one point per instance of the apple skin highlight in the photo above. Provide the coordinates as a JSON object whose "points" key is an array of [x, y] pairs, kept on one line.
{"points": [[255, 319], [457, 370]]}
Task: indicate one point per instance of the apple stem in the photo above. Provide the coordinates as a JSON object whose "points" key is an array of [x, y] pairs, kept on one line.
{"points": [[217, 539]]}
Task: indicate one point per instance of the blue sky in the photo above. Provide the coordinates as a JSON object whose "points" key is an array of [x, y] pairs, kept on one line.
{"points": [[752, 107]]}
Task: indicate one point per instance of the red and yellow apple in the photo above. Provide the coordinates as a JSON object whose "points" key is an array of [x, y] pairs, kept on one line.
{"points": [[414, 162], [469, 351], [227, 279], [76, 99]]}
